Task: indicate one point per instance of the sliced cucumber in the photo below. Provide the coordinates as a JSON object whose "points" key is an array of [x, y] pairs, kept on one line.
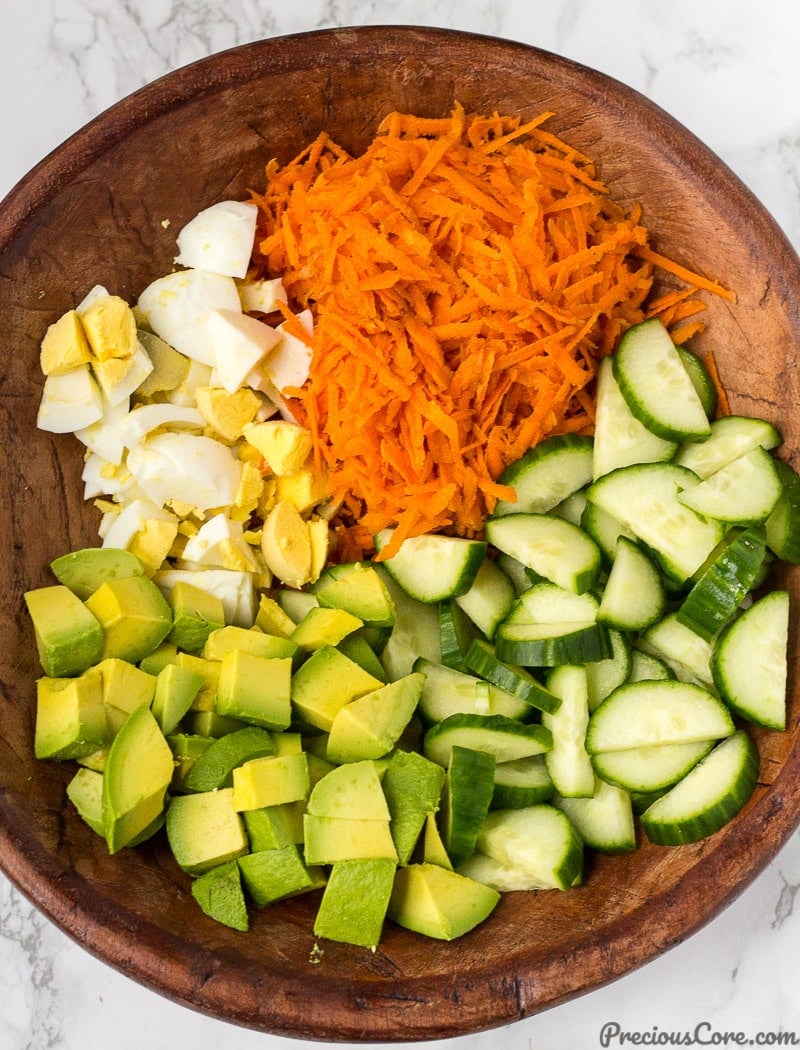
{"points": [[604, 676], [604, 529], [641, 714], [701, 380], [448, 691], [644, 770], [526, 849], [456, 632], [552, 644], [645, 666], [415, 633], [744, 492], [709, 796], [546, 602], [604, 820], [515, 571], [489, 599], [620, 439], [683, 650], [466, 796], [656, 386], [521, 782], [731, 437], [482, 660], [645, 499], [568, 762], [633, 597], [783, 524], [553, 547], [547, 474], [749, 661], [504, 738], [432, 567], [724, 583]]}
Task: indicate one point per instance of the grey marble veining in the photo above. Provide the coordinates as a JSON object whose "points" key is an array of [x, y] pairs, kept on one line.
{"points": [[728, 70]]}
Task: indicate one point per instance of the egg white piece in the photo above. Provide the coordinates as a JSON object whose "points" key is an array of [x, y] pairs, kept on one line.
{"points": [[189, 468], [209, 543], [289, 364], [131, 519], [177, 307], [103, 437], [138, 423], [240, 343], [140, 368], [262, 296], [235, 589], [219, 239], [70, 401]]}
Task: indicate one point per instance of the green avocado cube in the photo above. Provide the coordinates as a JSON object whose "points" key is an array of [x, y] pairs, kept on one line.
{"points": [[225, 639], [125, 687], [370, 726], [204, 830], [273, 874], [186, 749], [324, 683], [413, 786], [324, 627], [271, 781], [352, 790], [195, 614], [220, 894], [70, 717], [134, 614], [358, 589], [83, 571], [439, 903], [69, 637], [85, 792], [255, 689], [331, 839], [273, 827], [355, 901], [161, 656], [175, 691]]}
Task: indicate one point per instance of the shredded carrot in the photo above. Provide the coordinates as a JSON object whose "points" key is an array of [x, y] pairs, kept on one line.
{"points": [[723, 405], [466, 275]]}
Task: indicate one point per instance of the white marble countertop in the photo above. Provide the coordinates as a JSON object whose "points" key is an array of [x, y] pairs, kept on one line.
{"points": [[728, 70]]}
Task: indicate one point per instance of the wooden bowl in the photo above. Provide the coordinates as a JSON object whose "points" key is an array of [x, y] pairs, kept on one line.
{"points": [[105, 207]]}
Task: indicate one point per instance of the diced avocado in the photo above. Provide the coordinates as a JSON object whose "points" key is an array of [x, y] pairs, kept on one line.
{"points": [[295, 604], [330, 839], [175, 692], [69, 637], [166, 653], [134, 614], [70, 717], [214, 768], [204, 830], [433, 851], [255, 689], [138, 772], [358, 589], [355, 900], [209, 723], [83, 571], [439, 903], [273, 874], [287, 743], [125, 687], [270, 781], [219, 893], [358, 649], [324, 627], [352, 790], [273, 827], [206, 698], [225, 639], [324, 683], [85, 792], [272, 619], [186, 749], [195, 614], [370, 726], [412, 785]]}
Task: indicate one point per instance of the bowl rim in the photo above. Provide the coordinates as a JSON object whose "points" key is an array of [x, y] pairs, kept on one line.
{"points": [[56, 892]]}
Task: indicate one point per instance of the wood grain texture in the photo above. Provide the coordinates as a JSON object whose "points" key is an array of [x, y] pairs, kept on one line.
{"points": [[105, 208]]}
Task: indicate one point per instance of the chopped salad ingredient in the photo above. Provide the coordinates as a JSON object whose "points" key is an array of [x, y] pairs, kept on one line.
{"points": [[466, 276]]}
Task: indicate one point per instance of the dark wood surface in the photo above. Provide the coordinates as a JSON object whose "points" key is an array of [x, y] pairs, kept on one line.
{"points": [[96, 211]]}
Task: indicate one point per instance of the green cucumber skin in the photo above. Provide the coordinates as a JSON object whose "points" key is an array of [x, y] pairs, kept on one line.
{"points": [[482, 660], [469, 787], [586, 645], [504, 738], [783, 525], [566, 456], [694, 827], [720, 590]]}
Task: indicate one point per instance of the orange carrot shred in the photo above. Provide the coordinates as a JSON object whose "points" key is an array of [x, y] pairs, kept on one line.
{"points": [[466, 274]]}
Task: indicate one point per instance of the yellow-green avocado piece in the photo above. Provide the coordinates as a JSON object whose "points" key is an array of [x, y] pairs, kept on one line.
{"points": [[134, 614], [69, 637]]}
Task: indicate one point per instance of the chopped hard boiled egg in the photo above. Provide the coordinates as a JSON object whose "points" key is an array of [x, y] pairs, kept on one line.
{"points": [[239, 344], [177, 308], [70, 401], [262, 296], [110, 328], [219, 238], [190, 468], [142, 420], [284, 445], [64, 346], [118, 377], [220, 542], [235, 589], [227, 412]]}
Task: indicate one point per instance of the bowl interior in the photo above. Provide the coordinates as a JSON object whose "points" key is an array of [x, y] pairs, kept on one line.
{"points": [[105, 208]]}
